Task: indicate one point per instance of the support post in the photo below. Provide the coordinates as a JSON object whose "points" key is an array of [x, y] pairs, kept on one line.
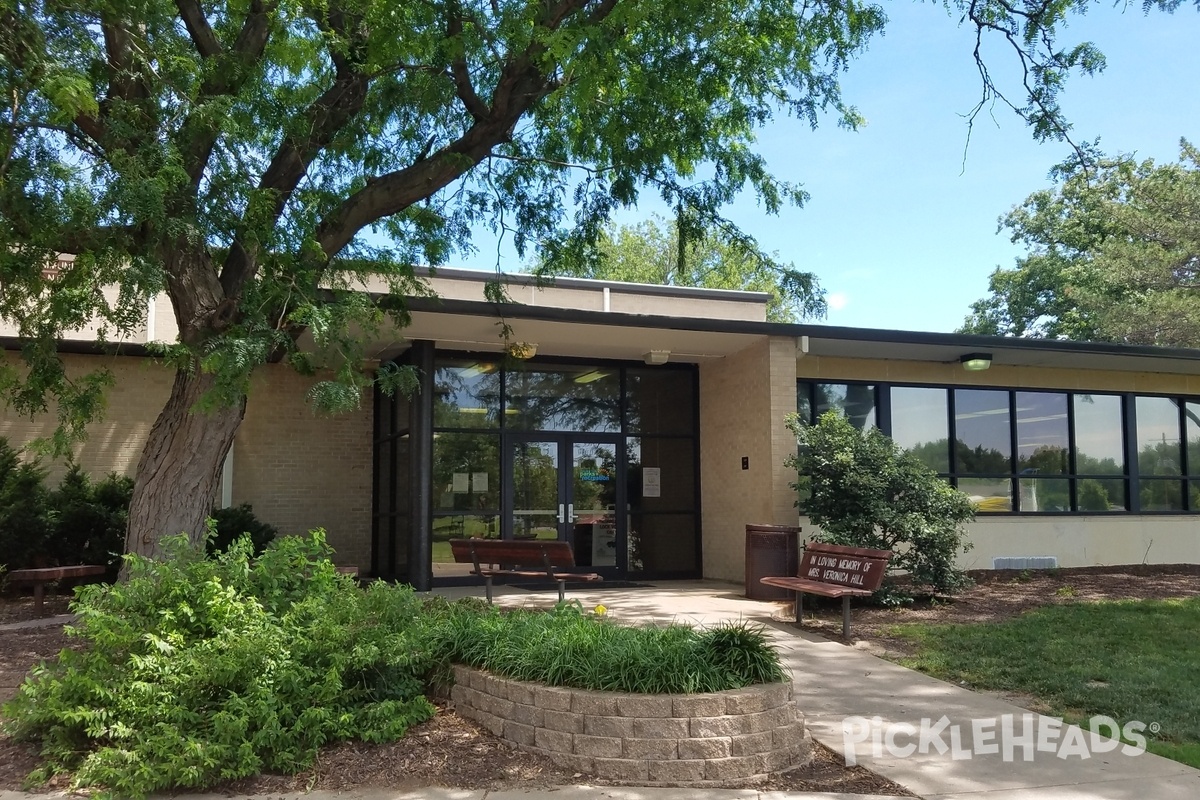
{"points": [[845, 616], [420, 543]]}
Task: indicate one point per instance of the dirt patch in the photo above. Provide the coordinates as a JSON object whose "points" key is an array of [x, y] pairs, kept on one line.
{"points": [[19, 607], [447, 750], [1002, 594]]}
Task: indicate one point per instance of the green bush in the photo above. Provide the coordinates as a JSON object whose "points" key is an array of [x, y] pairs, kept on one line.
{"points": [[201, 669], [88, 520], [236, 521], [568, 647], [862, 490], [25, 521]]}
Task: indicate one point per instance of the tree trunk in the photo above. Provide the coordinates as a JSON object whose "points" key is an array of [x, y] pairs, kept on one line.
{"points": [[179, 474]]}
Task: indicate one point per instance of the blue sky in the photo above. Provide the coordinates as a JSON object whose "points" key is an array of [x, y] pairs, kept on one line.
{"points": [[900, 229]]}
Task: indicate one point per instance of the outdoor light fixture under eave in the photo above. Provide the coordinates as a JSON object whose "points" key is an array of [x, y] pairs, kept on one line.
{"points": [[657, 357], [522, 350], [975, 362]]}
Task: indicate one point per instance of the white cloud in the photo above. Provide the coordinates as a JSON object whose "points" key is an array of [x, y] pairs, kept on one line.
{"points": [[837, 301]]}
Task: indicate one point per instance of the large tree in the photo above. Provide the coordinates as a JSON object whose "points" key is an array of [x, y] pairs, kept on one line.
{"points": [[1114, 255], [254, 159], [652, 252]]}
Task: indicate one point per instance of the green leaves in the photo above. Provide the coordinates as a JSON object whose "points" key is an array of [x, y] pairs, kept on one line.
{"points": [[862, 490], [567, 647], [1114, 256], [199, 670]]}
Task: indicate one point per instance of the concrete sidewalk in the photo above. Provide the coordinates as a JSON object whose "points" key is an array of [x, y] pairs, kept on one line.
{"points": [[835, 682]]}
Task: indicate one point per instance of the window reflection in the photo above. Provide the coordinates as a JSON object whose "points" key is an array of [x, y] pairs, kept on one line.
{"points": [[1099, 436], [855, 401], [563, 399], [983, 431], [660, 401], [467, 394], [1042, 439], [921, 424], [1158, 437]]}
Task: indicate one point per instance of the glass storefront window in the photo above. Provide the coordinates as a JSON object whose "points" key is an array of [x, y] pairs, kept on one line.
{"points": [[1158, 441], [1099, 436], [1042, 437], [988, 494], [466, 472], [466, 394], [1100, 494], [1045, 494], [921, 424], [983, 432], [855, 401], [551, 398]]}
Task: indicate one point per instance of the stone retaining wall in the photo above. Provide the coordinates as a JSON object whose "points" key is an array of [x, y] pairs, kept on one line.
{"points": [[676, 740]]}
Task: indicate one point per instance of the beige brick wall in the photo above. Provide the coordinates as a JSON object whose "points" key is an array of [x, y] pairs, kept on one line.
{"points": [[115, 442], [298, 470], [303, 471], [743, 401]]}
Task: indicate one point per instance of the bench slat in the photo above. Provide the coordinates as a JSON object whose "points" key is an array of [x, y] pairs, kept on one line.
{"points": [[47, 574]]}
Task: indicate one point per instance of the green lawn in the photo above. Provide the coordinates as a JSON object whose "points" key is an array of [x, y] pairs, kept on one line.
{"points": [[1130, 660]]}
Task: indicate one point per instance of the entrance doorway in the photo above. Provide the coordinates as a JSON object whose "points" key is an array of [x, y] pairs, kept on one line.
{"points": [[568, 487]]}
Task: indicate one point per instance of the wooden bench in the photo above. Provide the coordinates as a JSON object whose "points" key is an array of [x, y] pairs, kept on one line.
{"points": [[530, 559], [40, 576], [831, 570]]}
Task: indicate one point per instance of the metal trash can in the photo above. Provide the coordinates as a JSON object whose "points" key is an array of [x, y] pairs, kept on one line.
{"points": [[771, 551]]}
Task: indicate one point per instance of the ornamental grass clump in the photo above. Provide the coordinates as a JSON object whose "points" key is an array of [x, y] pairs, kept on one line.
{"points": [[202, 669], [569, 647]]}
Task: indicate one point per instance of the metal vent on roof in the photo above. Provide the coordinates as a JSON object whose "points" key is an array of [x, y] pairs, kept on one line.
{"points": [[1025, 562]]}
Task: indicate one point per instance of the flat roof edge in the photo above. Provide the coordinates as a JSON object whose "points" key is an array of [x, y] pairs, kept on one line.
{"points": [[624, 287]]}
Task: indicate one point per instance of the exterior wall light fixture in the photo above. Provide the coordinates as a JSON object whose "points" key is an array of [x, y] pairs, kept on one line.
{"points": [[975, 362], [656, 357], [522, 350]]}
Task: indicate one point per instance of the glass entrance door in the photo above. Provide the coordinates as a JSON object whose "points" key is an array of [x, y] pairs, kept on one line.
{"points": [[567, 487], [538, 509]]}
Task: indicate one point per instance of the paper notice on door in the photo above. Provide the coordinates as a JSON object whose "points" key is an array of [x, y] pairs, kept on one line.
{"points": [[461, 483], [651, 481], [479, 482]]}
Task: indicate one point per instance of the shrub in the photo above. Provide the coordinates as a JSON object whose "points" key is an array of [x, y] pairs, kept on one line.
{"points": [[234, 522], [89, 520], [862, 490], [202, 669], [567, 647], [25, 521]]}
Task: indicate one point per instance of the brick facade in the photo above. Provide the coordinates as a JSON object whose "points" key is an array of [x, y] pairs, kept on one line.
{"points": [[298, 470], [744, 399]]}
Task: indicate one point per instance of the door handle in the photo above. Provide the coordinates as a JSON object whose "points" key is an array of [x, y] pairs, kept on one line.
{"points": [[571, 512], [561, 517]]}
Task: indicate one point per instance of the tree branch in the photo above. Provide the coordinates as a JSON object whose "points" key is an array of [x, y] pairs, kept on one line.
{"points": [[198, 28], [521, 85], [327, 115], [459, 71], [198, 136]]}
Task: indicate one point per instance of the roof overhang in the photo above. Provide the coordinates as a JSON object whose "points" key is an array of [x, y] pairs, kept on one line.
{"points": [[477, 326]]}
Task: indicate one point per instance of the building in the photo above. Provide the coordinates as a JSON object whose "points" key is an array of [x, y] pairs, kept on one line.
{"points": [[645, 424]]}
